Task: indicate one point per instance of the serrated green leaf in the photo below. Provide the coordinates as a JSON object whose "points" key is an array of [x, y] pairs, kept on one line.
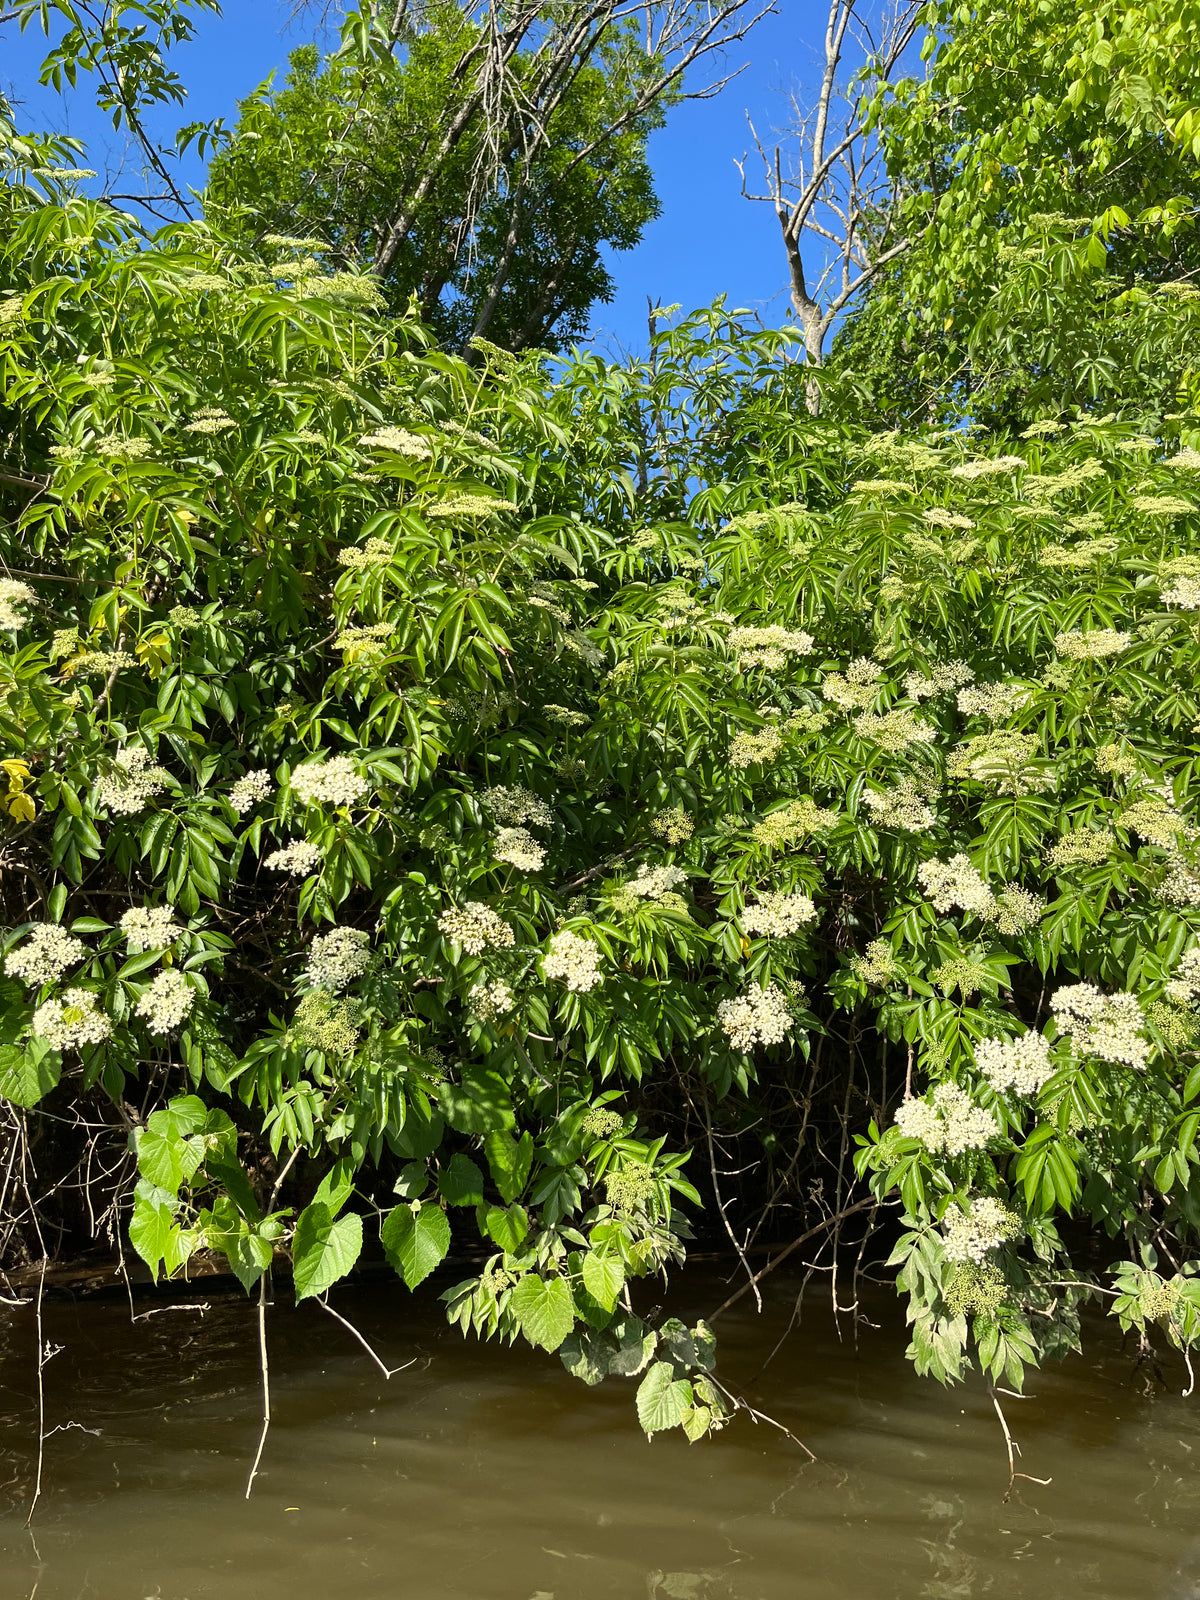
{"points": [[324, 1248], [28, 1075], [544, 1309], [416, 1243], [663, 1400]]}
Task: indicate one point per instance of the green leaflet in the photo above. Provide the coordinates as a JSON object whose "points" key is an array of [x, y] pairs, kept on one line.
{"points": [[663, 1401], [544, 1310], [416, 1241], [27, 1074], [324, 1248]]}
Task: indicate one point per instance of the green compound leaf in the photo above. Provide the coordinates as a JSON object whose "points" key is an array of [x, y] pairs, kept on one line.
{"points": [[544, 1310], [324, 1249], [416, 1242]]}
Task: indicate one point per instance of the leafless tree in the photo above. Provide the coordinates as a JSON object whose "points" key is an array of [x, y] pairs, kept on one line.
{"points": [[838, 209], [555, 44]]}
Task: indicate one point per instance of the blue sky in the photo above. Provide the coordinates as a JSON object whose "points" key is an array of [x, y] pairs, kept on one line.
{"points": [[708, 241]]}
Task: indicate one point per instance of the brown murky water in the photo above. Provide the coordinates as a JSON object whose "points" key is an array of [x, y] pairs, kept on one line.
{"points": [[487, 1474]]}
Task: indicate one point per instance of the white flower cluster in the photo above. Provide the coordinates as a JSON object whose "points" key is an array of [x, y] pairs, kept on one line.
{"points": [[517, 805], [1093, 645], [995, 701], [1187, 460], [1017, 910], [1082, 847], [987, 467], [947, 884], [299, 858], [760, 1016], [901, 807], [576, 961], [333, 782], [1105, 1025], [675, 826], [940, 517], [768, 647], [336, 958], [133, 780], [877, 965], [74, 1020], [150, 928], [1184, 987], [855, 687], [167, 1001], [984, 1226], [520, 849], [943, 678], [948, 1123], [490, 1001], [249, 790], [398, 440], [13, 595], [894, 730], [50, 951], [653, 883], [1181, 886], [778, 915], [1022, 1064], [375, 553], [476, 927], [747, 749], [1183, 593]]}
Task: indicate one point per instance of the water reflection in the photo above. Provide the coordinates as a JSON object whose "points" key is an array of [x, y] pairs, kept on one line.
{"points": [[492, 1475]]}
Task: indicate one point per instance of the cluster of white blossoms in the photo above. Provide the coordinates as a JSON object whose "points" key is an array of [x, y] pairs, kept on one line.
{"points": [[747, 749], [902, 806], [947, 884], [854, 688], [760, 1016], [1162, 505], [13, 595], [249, 790], [1091, 645], [338, 957], [1082, 847], [948, 1122], [1022, 1064], [375, 553], [983, 1226], [1105, 1025], [576, 961], [131, 783], [1154, 820], [877, 965], [1184, 987], [212, 420], [987, 467], [795, 820], [517, 805], [940, 517], [476, 927], [1183, 594], [894, 730], [654, 883], [520, 849], [778, 915], [334, 782], [942, 678], [50, 951], [73, 1020], [398, 440], [1187, 460], [167, 1001], [150, 928], [489, 1001], [299, 858], [1181, 886], [995, 701], [1017, 910], [674, 825], [768, 647]]}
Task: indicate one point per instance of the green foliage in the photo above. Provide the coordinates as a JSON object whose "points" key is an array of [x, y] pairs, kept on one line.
{"points": [[449, 781]]}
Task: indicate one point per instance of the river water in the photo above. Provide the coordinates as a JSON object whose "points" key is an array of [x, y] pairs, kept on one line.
{"points": [[489, 1474]]}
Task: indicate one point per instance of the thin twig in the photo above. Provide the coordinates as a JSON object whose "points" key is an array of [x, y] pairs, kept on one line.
{"points": [[1014, 1450], [41, 1397], [265, 1369], [811, 1233], [388, 1372]]}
